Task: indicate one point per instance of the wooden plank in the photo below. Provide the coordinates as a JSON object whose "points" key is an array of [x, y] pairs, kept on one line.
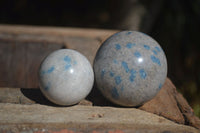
{"points": [[168, 103], [20, 62], [28, 118], [28, 96], [57, 31]]}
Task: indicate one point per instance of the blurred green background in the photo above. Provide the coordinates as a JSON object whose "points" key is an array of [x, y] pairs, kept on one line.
{"points": [[175, 24]]}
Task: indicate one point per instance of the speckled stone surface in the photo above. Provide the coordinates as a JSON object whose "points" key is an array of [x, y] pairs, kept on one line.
{"points": [[130, 68], [66, 77]]}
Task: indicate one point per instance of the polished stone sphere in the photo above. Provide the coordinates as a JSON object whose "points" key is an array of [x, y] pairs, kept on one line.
{"points": [[66, 77], [130, 68]]}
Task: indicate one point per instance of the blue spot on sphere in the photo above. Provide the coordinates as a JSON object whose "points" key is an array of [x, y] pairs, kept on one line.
{"points": [[137, 54], [117, 46], [43, 72], [125, 66], [143, 73], [160, 86], [114, 93], [155, 60], [132, 75], [147, 47], [155, 52], [67, 59], [157, 48], [112, 74], [128, 33], [75, 62], [67, 66], [129, 45], [118, 80], [103, 73], [46, 88], [116, 34], [50, 70], [115, 61]]}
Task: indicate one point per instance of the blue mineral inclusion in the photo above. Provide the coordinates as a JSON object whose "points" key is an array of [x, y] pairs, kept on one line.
{"points": [[115, 61], [125, 66], [116, 34], [112, 74], [67, 59], [129, 45], [46, 88], [114, 93], [133, 75], [67, 66], [137, 54], [158, 49], [155, 52], [147, 47], [43, 72], [50, 70], [117, 46], [128, 33], [75, 62], [160, 86], [143, 73], [103, 73], [118, 80], [155, 60]]}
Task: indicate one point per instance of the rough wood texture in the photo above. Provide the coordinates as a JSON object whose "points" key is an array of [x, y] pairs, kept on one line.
{"points": [[55, 31], [84, 119], [165, 104], [168, 103], [172, 105], [20, 62], [28, 96]]}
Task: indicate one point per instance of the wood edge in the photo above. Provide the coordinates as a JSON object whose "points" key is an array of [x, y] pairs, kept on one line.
{"points": [[57, 31]]}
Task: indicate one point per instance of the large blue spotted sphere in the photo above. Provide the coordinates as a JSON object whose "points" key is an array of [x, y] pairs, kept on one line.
{"points": [[130, 68], [66, 77]]}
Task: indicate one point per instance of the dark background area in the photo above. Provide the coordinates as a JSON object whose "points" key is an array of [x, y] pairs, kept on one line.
{"points": [[175, 24]]}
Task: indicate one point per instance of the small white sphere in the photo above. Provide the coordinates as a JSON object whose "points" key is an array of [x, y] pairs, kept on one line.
{"points": [[66, 77]]}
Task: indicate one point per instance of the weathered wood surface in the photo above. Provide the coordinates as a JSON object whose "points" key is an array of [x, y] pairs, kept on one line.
{"points": [[168, 103], [20, 62], [172, 105], [35, 118], [15, 30]]}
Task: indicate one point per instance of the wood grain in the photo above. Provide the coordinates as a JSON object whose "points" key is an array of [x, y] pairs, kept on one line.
{"points": [[20, 62], [56, 31]]}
